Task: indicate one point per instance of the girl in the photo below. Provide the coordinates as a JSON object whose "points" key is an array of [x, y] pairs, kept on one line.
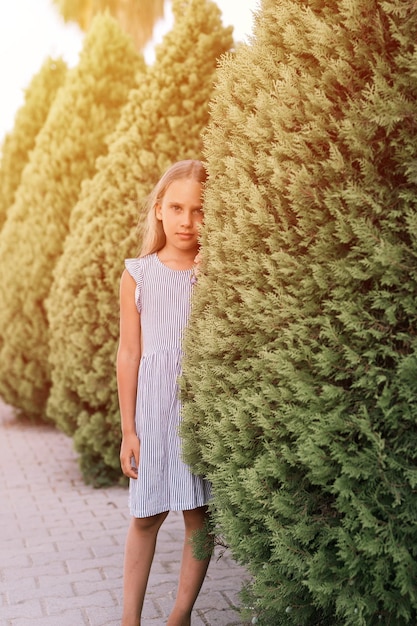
{"points": [[155, 295]]}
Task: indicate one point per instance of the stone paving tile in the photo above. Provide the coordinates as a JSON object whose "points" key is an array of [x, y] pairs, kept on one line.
{"points": [[62, 543]]}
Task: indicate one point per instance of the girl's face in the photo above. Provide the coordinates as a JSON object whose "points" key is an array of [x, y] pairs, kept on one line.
{"points": [[181, 214]]}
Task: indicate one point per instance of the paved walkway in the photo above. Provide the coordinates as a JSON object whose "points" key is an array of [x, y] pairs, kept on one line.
{"points": [[61, 543]]}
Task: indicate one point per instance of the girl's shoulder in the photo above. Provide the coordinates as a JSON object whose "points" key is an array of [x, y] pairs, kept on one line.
{"points": [[136, 266]]}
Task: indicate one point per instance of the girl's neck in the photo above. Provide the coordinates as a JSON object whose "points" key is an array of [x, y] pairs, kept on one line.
{"points": [[177, 259]]}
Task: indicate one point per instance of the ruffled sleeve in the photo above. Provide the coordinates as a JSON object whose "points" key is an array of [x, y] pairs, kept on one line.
{"points": [[135, 269]]}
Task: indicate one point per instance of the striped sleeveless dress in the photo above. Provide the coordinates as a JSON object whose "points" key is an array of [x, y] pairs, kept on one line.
{"points": [[165, 482]]}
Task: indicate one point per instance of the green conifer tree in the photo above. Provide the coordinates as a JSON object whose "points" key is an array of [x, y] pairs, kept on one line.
{"points": [[29, 120], [85, 111], [300, 375], [161, 124]]}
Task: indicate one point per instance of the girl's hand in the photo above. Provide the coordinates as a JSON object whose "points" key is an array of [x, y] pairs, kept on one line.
{"points": [[129, 455], [197, 263]]}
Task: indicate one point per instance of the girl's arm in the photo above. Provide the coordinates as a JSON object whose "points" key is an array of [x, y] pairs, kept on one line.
{"points": [[128, 358]]}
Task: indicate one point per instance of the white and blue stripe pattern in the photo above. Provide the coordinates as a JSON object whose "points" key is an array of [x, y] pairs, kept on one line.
{"points": [[165, 482]]}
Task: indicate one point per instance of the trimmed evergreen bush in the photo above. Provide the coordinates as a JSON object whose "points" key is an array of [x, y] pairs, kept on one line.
{"points": [[85, 111], [161, 124], [29, 119], [300, 374]]}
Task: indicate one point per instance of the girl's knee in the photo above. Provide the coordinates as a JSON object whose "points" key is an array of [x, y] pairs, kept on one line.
{"points": [[196, 518], [149, 524]]}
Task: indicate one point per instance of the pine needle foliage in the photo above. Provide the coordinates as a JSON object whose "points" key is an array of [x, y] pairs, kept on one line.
{"points": [[85, 111], [29, 119], [161, 124], [301, 358]]}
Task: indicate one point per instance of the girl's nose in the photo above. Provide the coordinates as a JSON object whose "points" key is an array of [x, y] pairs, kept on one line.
{"points": [[186, 218]]}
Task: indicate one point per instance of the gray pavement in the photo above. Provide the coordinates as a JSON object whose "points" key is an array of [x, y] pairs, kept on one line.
{"points": [[62, 542]]}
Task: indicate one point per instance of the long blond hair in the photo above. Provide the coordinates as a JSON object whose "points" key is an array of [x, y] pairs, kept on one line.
{"points": [[154, 236]]}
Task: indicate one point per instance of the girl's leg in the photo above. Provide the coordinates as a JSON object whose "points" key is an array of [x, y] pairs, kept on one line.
{"points": [[139, 553], [193, 570]]}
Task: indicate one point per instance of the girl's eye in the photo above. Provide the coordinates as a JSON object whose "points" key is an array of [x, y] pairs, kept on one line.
{"points": [[199, 211]]}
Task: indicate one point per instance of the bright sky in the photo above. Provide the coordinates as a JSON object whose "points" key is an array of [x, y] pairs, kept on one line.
{"points": [[31, 30]]}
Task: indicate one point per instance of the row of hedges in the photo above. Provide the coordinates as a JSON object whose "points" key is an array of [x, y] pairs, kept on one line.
{"points": [[111, 130], [83, 113]]}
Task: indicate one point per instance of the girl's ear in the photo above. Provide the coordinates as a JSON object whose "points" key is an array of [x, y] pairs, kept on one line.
{"points": [[158, 211]]}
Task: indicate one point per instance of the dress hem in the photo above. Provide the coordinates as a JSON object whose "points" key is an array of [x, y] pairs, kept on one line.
{"points": [[174, 509]]}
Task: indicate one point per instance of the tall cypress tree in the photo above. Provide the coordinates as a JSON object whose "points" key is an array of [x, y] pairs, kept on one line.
{"points": [[136, 17], [28, 122], [301, 365], [161, 124], [85, 111]]}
